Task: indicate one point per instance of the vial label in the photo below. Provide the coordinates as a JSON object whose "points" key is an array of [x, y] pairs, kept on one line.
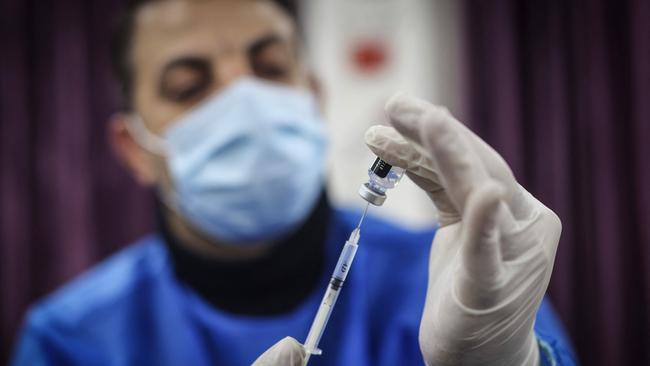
{"points": [[380, 168]]}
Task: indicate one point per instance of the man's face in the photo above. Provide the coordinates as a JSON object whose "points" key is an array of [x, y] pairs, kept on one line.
{"points": [[182, 52], [185, 51]]}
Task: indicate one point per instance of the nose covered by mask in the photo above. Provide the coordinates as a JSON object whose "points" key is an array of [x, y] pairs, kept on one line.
{"points": [[247, 164]]}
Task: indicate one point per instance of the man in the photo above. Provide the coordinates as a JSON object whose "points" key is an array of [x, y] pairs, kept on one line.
{"points": [[222, 120]]}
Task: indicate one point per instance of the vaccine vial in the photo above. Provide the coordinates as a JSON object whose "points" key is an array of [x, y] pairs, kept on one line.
{"points": [[382, 177]]}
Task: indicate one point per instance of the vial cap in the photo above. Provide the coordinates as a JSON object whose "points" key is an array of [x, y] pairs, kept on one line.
{"points": [[371, 196], [380, 168]]}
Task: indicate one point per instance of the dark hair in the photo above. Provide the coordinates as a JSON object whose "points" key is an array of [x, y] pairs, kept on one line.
{"points": [[122, 40]]}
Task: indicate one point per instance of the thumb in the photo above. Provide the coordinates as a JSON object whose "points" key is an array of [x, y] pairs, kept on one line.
{"points": [[287, 352], [481, 252]]}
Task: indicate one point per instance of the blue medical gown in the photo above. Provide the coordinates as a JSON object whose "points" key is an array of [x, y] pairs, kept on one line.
{"points": [[132, 310]]}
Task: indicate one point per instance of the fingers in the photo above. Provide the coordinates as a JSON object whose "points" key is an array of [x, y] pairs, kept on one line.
{"points": [[426, 125], [405, 112], [459, 170], [388, 144], [447, 213], [480, 250], [287, 352]]}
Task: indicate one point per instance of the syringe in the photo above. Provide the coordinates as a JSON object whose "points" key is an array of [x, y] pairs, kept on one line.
{"points": [[332, 293], [382, 177]]}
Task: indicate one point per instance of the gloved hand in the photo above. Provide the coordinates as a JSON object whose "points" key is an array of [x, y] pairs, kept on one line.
{"points": [[493, 254], [287, 352]]}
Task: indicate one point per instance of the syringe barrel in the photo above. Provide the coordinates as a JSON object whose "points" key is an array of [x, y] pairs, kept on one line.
{"points": [[331, 295], [345, 262], [320, 321]]}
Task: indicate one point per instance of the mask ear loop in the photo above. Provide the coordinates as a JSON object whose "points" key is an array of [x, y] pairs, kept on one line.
{"points": [[157, 146], [145, 138]]}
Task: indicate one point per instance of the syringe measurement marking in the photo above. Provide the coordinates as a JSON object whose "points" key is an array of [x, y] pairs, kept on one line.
{"points": [[347, 255]]}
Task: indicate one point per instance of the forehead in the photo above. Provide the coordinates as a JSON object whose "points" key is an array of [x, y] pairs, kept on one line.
{"points": [[168, 29]]}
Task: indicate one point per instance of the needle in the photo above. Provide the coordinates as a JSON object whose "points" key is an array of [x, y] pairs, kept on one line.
{"points": [[365, 210]]}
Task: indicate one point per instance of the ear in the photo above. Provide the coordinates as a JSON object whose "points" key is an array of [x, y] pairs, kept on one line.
{"points": [[137, 160]]}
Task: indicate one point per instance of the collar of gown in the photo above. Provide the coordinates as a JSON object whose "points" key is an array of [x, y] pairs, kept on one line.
{"points": [[273, 284]]}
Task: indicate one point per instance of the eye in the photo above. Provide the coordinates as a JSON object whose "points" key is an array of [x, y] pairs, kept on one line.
{"points": [[189, 92], [272, 72], [186, 81], [273, 60]]}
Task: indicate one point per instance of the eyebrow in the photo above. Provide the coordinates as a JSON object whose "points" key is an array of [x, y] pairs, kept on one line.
{"points": [[200, 63]]}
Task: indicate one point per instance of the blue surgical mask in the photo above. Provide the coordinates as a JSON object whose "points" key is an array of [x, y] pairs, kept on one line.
{"points": [[247, 165]]}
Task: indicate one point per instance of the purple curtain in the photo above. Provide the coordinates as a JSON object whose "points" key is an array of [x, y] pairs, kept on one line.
{"points": [[64, 201], [562, 90]]}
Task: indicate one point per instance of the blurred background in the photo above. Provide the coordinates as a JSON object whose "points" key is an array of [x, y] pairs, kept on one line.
{"points": [[560, 88]]}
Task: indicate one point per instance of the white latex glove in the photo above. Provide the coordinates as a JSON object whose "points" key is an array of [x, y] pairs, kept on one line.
{"points": [[492, 256], [287, 352]]}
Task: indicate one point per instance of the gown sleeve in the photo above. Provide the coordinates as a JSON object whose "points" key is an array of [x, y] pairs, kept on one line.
{"points": [[554, 346], [36, 346]]}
